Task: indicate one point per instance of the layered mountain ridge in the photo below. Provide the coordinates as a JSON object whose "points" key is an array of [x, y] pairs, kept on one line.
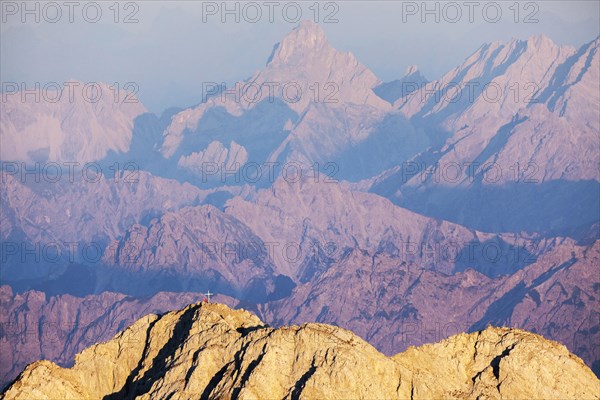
{"points": [[372, 240], [396, 271], [211, 351], [36, 326], [68, 122]]}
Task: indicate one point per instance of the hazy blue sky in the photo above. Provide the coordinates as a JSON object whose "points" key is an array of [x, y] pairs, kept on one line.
{"points": [[177, 45]]}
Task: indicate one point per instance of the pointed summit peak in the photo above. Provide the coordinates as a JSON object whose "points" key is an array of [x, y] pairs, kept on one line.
{"points": [[412, 69], [540, 41], [308, 37], [310, 25], [308, 29], [536, 43]]}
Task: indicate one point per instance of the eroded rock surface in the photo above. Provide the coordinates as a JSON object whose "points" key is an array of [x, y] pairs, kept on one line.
{"points": [[211, 351]]}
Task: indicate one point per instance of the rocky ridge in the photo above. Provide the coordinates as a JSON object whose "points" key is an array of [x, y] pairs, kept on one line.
{"points": [[34, 326], [211, 351]]}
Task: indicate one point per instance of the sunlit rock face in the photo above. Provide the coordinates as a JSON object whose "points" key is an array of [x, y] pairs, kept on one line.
{"points": [[212, 351]]}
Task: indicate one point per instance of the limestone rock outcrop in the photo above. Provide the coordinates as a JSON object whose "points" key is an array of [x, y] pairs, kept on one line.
{"points": [[210, 351]]}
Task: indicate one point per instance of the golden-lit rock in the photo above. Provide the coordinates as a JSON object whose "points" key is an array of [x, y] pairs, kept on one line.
{"points": [[210, 351]]}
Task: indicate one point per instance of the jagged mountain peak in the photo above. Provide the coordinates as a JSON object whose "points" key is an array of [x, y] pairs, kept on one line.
{"points": [[411, 69], [211, 351], [534, 86], [529, 64], [305, 57], [537, 40], [306, 74], [540, 41], [308, 37]]}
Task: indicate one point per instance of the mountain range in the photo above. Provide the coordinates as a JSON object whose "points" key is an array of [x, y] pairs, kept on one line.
{"points": [[210, 351], [405, 211]]}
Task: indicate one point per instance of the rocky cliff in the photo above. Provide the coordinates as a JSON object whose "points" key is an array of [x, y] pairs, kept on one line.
{"points": [[394, 303], [35, 326], [210, 351]]}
